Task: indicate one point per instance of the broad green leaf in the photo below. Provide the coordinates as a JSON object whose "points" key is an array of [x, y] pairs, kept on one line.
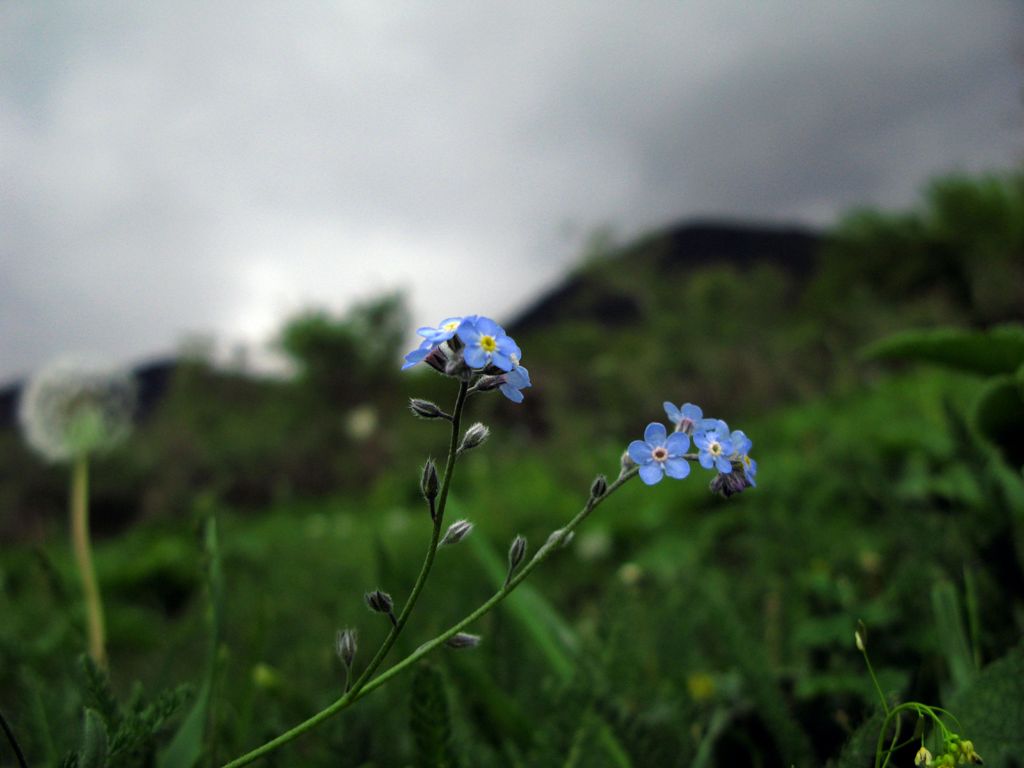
{"points": [[998, 351], [998, 416], [990, 710], [952, 635]]}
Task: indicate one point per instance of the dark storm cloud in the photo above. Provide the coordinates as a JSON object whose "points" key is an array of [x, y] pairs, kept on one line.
{"points": [[168, 169]]}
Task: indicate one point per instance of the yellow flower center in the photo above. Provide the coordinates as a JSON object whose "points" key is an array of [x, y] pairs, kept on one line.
{"points": [[715, 449], [450, 326], [488, 344], [746, 460]]}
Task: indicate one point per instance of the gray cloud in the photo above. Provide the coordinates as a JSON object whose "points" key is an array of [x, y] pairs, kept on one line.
{"points": [[166, 169]]}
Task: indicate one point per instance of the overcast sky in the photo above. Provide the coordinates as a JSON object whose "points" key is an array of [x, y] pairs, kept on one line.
{"points": [[209, 167]]}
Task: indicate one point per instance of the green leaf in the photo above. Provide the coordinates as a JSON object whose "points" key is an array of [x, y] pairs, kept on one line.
{"points": [[990, 710], [952, 634], [998, 351], [187, 745], [430, 719], [998, 416], [99, 696], [94, 743]]}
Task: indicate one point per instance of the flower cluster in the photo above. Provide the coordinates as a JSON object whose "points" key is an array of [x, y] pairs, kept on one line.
{"points": [[463, 346], [718, 448]]}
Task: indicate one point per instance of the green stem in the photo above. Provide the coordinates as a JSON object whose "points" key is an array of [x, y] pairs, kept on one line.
{"points": [[353, 696], [353, 692], [83, 559], [878, 688]]}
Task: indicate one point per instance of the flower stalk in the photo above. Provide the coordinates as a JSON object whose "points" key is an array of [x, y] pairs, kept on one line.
{"points": [[83, 559]]}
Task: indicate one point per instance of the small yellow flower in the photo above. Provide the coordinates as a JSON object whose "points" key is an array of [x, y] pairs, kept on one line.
{"points": [[923, 757], [701, 686]]}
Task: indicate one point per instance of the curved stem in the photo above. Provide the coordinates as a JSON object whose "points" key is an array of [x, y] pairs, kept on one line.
{"points": [[366, 687], [437, 513], [14, 742], [83, 559]]}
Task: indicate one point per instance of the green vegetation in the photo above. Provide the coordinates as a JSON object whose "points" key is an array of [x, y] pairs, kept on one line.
{"points": [[678, 629]]}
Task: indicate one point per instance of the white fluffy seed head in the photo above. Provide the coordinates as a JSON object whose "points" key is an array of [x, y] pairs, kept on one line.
{"points": [[76, 407]]}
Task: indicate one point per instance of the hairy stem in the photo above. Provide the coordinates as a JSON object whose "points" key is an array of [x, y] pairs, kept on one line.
{"points": [[83, 559], [366, 687], [437, 514]]}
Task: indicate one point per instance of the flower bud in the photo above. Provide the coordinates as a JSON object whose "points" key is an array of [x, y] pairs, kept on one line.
{"points": [[727, 485], [381, 602], [599, 487], [516, 553], [626, 463], [860, 636], [463, 640], [429, 482], [345, 645], [426, 409], [456, 532], [474, 437], [560, 538], [487, 383]]}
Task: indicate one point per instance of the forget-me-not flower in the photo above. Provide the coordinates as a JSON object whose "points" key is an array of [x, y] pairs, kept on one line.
{"points": [[434, 338], [715, 447], [660, 454], [687, 418], [487, 344], [741, 445], [515, 380]]}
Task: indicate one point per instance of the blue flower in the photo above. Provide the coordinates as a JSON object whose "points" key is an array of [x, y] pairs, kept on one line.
{"points": [[514, 381], [445, 330], [487, 344], [660, 454], [434, 338], [715, 446], [687, 418], [741, 445]]}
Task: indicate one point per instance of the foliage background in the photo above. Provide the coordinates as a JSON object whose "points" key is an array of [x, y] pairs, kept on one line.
{"points": [[680, 629]]}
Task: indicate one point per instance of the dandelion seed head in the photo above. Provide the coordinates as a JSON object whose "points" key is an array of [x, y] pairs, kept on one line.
{"points": [[76, 407]]}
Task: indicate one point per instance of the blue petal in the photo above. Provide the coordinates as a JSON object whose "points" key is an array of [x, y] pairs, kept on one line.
{"points": [[651, 473], [467, 332], [518, 377], [706, 460], [677, 468], [501, 360], [672, 412], [655, 433], [487, 326], [511, 393], [677, 443], [701, 440], [692, 412], [741, 444], [723, 465], [475, 357], [639, 452], [417, 355]]}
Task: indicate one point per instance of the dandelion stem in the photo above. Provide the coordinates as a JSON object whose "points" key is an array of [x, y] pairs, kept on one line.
{"points": [[83, 559]]}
